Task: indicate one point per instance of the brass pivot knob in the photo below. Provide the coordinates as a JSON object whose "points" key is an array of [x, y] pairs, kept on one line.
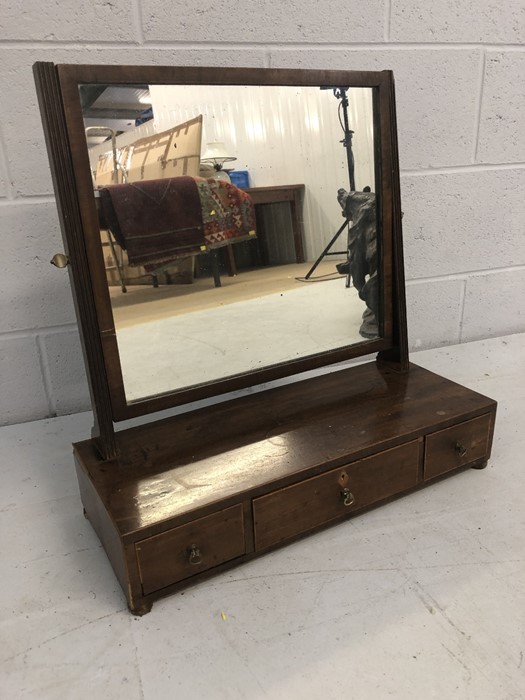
{"points": [[59, 260], [195, 555], [348, 497], [461, 450]]}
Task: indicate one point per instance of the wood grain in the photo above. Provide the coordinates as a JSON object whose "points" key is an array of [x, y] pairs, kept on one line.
{"points": [[289, 451], [192, 462], [443, 449], [165, 559], [297, 509], [70, 215]]}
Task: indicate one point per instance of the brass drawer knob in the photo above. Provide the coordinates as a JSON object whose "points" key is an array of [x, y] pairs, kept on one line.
{"points": [[348, 497], [59, 260], [461, 450], [195, 556]]}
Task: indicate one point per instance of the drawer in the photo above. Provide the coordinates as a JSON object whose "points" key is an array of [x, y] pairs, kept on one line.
{"points": [[296, 509], [186, 550], [457, 446]]}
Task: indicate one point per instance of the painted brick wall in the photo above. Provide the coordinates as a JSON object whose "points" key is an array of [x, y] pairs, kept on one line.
{"points": [[460, 74]]}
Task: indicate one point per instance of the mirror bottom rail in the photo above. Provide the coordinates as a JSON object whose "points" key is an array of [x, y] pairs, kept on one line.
{"points": [[162, 530]]}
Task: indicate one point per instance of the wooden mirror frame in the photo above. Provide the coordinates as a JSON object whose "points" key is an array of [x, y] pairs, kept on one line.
{"points": [[59, 98]]}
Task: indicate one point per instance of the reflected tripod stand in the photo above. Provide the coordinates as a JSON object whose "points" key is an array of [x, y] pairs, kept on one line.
{"points": [[341, 94]]}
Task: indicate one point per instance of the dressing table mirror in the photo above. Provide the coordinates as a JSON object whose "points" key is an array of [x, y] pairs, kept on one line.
{"points": [[224, 229]]}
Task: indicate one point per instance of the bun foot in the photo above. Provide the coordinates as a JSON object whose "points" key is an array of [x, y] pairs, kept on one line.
{"points": [[141, 608]]}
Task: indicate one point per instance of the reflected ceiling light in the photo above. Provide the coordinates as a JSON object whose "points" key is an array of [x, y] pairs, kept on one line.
{"points": [[255, 130], [312, 122], [217, 155]]}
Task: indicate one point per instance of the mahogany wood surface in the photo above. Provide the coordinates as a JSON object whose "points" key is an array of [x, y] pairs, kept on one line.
{"points": [[277, 461], [191, 462], [70, 217], [397, 355], [166, 558], [319, 500], [458, 445]]}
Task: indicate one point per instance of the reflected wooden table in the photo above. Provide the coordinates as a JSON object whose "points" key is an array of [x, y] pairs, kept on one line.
{"points": [[276, 194]]}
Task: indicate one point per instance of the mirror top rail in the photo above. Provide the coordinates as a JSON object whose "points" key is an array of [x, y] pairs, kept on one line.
{"points": [[167, 75]]}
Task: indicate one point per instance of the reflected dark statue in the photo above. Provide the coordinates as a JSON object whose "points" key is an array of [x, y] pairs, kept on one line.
{"points": [[360, 208]]}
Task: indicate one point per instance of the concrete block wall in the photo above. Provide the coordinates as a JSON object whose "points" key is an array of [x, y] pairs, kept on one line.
{"points": [[459, 67]]}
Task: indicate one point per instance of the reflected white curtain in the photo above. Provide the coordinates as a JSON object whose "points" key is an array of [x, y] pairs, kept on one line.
{"points": [[282, 136]]}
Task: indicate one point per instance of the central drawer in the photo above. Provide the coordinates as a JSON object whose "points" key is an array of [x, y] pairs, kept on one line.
{"points": [[186, 550], [296, 509]]}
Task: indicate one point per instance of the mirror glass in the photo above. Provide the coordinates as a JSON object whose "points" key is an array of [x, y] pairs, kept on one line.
{"points": [[238, 225]]}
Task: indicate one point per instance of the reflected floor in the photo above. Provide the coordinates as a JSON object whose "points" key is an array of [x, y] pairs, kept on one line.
{"points": [[259, 321], [145, 303]]}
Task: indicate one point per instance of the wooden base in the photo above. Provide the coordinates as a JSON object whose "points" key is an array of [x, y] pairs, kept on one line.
{"points": [[196, 494]]}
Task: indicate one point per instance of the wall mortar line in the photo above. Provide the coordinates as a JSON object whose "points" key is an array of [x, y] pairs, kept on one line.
{"points": [[388, 20], [170, 45], [46, 376], [136, 12], [4, 166], [27, 199], [462, 301], [457, 169], [477, 125], [34, 332], [465, 275]]}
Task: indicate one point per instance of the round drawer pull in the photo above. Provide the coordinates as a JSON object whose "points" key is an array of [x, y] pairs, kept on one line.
{"points": [[461, 450], [195, 556], [348, 497], [59, 260]]}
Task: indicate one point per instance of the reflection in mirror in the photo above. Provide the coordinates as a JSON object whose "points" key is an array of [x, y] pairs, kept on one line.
{"points": [[238, 225]]}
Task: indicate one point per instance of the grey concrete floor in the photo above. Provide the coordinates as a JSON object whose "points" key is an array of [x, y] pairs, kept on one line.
{"points": [[421, 598]]}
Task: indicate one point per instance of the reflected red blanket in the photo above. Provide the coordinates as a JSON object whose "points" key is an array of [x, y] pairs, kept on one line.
{"points": [[160, 220]]}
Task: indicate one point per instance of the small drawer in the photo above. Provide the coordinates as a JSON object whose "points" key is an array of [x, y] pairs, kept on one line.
{"points": [[186, 550], [301, 507], [457, 446]]}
